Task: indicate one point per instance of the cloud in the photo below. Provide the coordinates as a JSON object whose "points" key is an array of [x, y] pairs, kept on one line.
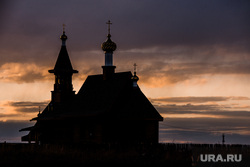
{"points": [[23, 73], [203, 107], [207, 124], [154, 73], [4, 116], [194, 99], [29, 28], [160, 73], [201, 111], [171, 42], [27, 106], [188, 108], [205, 130]]}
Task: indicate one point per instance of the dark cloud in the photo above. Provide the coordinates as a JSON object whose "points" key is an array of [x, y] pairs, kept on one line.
{"points": [[178, 72], [188, 108], [191, 99], [204, 121], [170, 73], [198, 36], [32, 28], [205, 130], [200, 99], [27, 106], [185, 23], [202, 111], [170, 40], [2, 115]]}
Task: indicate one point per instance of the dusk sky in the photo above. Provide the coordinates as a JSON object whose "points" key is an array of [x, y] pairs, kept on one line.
{"points": [[193, 60]]}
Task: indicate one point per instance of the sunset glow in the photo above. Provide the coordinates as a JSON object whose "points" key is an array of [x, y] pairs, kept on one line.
{"points": [[193, 64]]}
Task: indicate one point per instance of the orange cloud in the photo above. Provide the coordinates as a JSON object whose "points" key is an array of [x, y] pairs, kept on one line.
{"points": [[198, 99], [20, 110], [23, 73]]}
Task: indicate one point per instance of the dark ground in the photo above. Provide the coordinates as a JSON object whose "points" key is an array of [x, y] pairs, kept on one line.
{"points": [[160, 155]]}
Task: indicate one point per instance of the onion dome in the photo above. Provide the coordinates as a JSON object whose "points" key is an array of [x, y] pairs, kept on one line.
{"points": [[109, 45], [135, 77], [63, 37]]}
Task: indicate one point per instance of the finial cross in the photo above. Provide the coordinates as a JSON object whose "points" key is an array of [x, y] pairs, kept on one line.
{"points": [[39, 110], [135, 67], [64, 27], [109, 23]]}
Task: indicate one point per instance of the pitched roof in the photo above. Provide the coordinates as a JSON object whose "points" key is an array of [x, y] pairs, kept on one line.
{"points": [[63, 63], [110, 99], [114, 98]]}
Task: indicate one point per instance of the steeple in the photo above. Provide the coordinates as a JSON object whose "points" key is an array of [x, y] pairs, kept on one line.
{"points": [[63, 71], [108, 47]]}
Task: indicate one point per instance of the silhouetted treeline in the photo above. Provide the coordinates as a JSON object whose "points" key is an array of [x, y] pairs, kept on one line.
{"points": [[166, 155]]}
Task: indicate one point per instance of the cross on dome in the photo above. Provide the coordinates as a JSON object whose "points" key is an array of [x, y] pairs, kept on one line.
{"points": [[109, 23], [135, 78], [135, 67], [109, 45], [63, 37], [64, 27]]}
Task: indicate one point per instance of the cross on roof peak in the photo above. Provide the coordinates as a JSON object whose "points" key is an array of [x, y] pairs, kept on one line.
{"points": [[135, 67], [64, 27]]}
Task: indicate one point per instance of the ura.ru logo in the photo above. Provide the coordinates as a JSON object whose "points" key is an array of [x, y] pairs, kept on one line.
{"points": [[219, 158]]}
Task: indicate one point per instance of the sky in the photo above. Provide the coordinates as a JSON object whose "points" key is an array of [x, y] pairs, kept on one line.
{"points": [[193, 60]]}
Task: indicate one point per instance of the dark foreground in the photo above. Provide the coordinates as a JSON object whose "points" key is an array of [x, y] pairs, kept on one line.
{"points": [[160, 155]]}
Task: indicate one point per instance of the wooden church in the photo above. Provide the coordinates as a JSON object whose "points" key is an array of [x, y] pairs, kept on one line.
{"points": [[109, 107]]}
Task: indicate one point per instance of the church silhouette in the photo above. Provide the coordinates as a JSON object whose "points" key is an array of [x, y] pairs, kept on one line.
{"points": [[109, 107]]}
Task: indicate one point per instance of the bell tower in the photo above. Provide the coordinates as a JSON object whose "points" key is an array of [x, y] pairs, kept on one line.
{"points": [[63, 71]]}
